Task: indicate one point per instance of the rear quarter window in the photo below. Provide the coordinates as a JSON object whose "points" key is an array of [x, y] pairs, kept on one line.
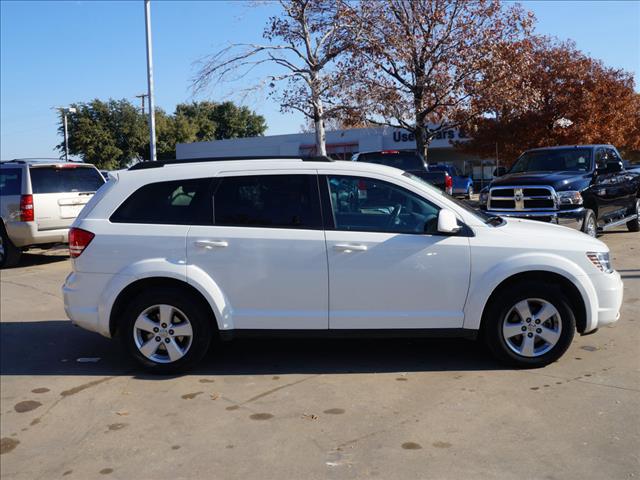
{"points": [[65, 179], [10, 181], [179, 202]]}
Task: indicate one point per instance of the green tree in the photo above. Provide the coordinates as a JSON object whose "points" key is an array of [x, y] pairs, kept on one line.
{"points": [[114, 133]]}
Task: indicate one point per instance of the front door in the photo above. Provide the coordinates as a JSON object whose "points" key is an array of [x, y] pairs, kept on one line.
{"points": [[388, 266], [266, 251]]}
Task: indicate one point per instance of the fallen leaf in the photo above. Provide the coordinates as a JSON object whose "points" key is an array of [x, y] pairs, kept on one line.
{"points": [[122, 413], [214, 396]]}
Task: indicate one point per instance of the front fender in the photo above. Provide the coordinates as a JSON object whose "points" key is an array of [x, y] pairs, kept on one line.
{"points": [[484, 285]]}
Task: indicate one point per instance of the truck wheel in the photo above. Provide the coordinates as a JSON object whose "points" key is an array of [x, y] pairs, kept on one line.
{"points": [[9, 253], [590, 224], [166, 330], [529, 325], [469, 192], [634, 225]]}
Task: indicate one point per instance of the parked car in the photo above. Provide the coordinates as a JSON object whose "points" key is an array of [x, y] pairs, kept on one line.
{"points": [[170, 255], [462, 184], [583, 186], [39, 199], [409, 161]]}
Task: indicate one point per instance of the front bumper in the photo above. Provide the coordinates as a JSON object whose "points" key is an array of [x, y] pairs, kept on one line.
{"points": [[569, 218], [609, 289]]}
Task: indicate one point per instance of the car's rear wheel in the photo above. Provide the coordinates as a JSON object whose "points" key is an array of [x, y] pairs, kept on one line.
{"points": [[529, 325], [166, 330], [590, 224], [9, 253], [634, 225]]}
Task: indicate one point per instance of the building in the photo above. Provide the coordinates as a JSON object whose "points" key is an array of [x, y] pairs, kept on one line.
{"points": [[341, 144]]}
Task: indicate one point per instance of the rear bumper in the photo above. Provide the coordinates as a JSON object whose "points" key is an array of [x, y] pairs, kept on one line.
{"points": [[24, 234], [81, 292], [569, 218]]}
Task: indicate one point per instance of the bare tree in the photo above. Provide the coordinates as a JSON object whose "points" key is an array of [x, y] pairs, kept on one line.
{"points": [[420, 63], [304, 43]]}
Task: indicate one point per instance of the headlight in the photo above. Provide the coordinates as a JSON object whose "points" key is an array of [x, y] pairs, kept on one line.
{"points": [[570, 197], [601, 261]]}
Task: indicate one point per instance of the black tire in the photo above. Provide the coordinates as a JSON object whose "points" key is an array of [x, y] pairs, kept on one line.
{"points": [[634, 225], [590, 223], [9, 253], [469, 192], [197, 313], [502, 304]]}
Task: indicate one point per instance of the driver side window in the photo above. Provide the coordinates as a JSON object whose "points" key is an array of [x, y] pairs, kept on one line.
{"points": [[371, 205]]}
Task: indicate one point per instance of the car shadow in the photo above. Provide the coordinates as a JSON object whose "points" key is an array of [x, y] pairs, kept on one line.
{"points": [[32, 259], [54, 347]]}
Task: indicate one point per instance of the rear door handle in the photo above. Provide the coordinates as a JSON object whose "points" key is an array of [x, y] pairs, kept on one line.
{"points": [[209, 244], [348, 248]]}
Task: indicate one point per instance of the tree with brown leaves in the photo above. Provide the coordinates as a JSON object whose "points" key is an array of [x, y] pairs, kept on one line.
{"points": [[571, 99], [304, 44], [419, 63]]}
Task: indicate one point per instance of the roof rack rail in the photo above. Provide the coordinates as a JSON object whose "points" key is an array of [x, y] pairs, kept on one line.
{"points": [[161, 163]]}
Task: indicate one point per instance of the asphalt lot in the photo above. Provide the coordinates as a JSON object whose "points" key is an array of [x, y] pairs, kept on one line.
{"points": [[392, 409]]}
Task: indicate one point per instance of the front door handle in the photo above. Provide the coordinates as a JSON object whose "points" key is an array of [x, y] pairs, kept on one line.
{"points": [[348, 248], [209, 244]]}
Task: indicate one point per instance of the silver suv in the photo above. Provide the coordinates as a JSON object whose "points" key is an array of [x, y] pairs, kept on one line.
{"points": [[39, 199]]}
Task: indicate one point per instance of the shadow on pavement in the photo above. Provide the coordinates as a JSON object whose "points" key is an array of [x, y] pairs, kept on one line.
{"points": [[32, 259], [53, 347]]}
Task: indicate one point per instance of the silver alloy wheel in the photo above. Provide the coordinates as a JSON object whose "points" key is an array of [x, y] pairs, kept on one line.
{"points": [[163, 333], [591, 228], [532, 327]]}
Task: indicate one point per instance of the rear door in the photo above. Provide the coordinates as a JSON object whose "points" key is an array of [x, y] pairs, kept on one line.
{"points": [[60, 191], [266, 250]]}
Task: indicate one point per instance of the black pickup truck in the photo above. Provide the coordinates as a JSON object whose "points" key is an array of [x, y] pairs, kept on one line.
{"points": [[583, 186], [409, 161]]}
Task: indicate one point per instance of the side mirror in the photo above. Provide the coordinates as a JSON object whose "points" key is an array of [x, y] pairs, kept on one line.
{"points": [[500, 171], [613, 166], [447, 222]]}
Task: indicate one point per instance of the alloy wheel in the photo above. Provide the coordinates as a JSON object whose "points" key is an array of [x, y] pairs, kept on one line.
{"points": [[163, 333], [591, 228], [532, 327]]}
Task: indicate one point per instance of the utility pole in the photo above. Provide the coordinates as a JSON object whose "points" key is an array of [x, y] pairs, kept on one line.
{"points": [[63, 112], [142, 96], [152, 116]]}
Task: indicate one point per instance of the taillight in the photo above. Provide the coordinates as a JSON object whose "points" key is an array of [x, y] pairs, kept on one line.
{"points": [[448, 184], [26, 208], [78, 240]]}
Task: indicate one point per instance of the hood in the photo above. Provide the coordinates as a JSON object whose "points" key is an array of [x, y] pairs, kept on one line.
{"points": [[549, 234], [558, 180]]}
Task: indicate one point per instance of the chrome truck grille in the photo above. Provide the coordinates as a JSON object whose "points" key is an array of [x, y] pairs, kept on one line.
{"points": [[522, 199]]}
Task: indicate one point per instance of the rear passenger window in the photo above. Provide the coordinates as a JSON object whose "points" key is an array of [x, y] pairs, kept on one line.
{"points": [[180, 202], [10, 181], [278, 201]]}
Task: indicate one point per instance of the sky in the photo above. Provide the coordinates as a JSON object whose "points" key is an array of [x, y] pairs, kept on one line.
{"points": [[55, 53]]}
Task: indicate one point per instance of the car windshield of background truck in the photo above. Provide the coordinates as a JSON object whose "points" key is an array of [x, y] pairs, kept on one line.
{"points": [[553, 160]]}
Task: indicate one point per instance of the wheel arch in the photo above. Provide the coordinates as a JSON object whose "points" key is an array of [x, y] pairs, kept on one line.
{"points": [[567, 286], [134, 288]]}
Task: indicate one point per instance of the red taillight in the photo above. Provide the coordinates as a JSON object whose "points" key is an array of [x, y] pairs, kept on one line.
{"points": [[78, 240], [390, 152], [26, 208]]}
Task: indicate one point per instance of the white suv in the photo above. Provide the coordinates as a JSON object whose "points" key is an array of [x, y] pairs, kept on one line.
{"points": [[168, 258], [39, 199]]}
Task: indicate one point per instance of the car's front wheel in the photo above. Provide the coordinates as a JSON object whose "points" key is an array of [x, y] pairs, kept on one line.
{"points": [[590, 224], [529, 325], [166, 330]]}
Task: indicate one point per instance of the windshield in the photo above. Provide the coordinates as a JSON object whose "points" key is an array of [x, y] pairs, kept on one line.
{"points": [[557, 159], [488, 219], [401, 160]]}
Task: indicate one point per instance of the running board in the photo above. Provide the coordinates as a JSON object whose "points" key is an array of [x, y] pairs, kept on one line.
{"points": [[617, 223]]}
